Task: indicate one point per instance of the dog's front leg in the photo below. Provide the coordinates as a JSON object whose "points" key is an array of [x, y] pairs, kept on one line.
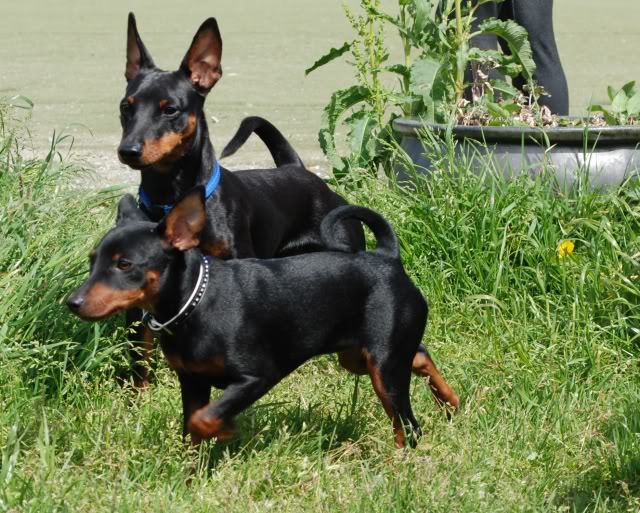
{"points": [[195, 393], [216, 419], [141, 346]]}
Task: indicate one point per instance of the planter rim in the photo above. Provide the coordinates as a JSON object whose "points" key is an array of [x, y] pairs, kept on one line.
{"points": [[605, 135]]}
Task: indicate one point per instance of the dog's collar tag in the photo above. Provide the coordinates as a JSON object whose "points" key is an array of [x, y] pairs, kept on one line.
{"points": [[145, 203], [187, 309]]}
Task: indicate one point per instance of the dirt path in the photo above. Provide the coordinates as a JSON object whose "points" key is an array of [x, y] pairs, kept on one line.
{"points": [[68, 56]]}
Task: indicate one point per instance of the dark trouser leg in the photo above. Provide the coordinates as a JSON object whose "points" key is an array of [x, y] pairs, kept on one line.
{"points": [[537, 17]]}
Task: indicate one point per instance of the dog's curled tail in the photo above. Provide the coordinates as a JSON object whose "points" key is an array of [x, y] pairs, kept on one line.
{"points": [[282, 152], [386, 240]]}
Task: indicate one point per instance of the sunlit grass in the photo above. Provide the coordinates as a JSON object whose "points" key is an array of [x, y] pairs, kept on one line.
{"points": [[542, 350]]}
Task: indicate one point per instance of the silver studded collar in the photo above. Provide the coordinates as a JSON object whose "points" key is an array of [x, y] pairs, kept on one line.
{"points": [[187, 309]]}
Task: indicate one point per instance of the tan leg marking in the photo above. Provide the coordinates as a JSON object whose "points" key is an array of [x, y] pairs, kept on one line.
{"points": [[423, 366]]}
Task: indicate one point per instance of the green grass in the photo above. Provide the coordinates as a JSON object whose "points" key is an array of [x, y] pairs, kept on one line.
{"points": [[543, 352]]}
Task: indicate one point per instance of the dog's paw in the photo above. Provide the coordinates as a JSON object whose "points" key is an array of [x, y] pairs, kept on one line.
{"points": [[203, 426]]}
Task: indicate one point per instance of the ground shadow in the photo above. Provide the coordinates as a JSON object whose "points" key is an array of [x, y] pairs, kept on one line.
{"points": [[312, 426]]}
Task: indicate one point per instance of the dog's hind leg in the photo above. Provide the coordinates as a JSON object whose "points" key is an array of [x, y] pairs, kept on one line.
{"points": [[423, 366], [390, 378]]}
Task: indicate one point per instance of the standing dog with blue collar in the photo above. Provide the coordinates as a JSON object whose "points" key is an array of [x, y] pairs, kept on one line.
{"points": [[262, 213]]}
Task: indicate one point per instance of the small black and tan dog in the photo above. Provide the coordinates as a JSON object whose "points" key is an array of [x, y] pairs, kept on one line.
{"points": [[253, 213], [243, 325], [263, 213]]}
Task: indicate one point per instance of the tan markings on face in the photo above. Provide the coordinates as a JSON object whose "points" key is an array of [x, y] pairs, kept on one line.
{"points": [[164, 103], [131, 100], [116, 257], [213, 367], [151, 291], [102, 301], [169, 147], [217, 248]]}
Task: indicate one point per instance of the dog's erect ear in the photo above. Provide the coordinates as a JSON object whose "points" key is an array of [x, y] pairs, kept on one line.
{"points": [[182, 227], [202, 62], [128, 211], [138, 57]]}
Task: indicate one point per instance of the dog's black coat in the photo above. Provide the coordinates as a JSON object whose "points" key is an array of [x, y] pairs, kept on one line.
{"points": [[261, 319], [261, 213]]}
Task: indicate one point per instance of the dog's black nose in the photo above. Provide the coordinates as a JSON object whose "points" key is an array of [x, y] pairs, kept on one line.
{"points": [[74, 303], [130, 152]]}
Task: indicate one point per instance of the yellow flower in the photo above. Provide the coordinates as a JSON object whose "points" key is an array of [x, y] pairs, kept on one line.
{"points": [[565, 248]]}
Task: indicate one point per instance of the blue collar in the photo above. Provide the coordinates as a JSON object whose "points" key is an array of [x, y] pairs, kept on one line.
{"points": [[212, 185]]}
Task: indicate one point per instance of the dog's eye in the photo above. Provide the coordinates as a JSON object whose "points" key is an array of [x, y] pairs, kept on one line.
{"points": [[170, 111], [124, 265], [125, 109]]}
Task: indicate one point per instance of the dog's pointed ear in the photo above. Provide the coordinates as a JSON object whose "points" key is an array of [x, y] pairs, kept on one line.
{"points": [[201, 64], [128, 211], [181, 228], [138, 58]]}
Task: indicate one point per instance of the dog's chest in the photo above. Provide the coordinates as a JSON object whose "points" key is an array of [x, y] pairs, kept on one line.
{"points": [[213, 366]]}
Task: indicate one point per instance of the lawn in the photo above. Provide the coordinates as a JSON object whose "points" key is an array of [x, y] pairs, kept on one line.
{"points": [[540, 343]]}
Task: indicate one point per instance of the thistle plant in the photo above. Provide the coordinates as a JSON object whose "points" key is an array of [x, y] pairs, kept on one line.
{"points": [[435, 37]]}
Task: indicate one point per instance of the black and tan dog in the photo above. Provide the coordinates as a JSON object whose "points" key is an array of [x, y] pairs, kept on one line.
{"points": [[262, 213], [243, 325]]}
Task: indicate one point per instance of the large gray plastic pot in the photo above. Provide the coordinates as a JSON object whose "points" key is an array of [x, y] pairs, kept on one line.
{"points": [[610, 154]]}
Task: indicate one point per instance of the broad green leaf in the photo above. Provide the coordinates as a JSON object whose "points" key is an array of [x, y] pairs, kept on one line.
{"points": [[398, 98], [629, 88], [513, 108], [507, 90], [517, 39], [422, 14], [608, 116], [360, 137], [341, 101], [21, 102], [497, 111], [429, 111], [611, 93], [503, 63], [399, 69], [423, 75], [511, 69], [331, 55], [619, 103], [633, 105]]}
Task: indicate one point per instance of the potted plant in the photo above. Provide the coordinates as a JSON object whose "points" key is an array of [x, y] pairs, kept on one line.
{"points": [[500, 125]]}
